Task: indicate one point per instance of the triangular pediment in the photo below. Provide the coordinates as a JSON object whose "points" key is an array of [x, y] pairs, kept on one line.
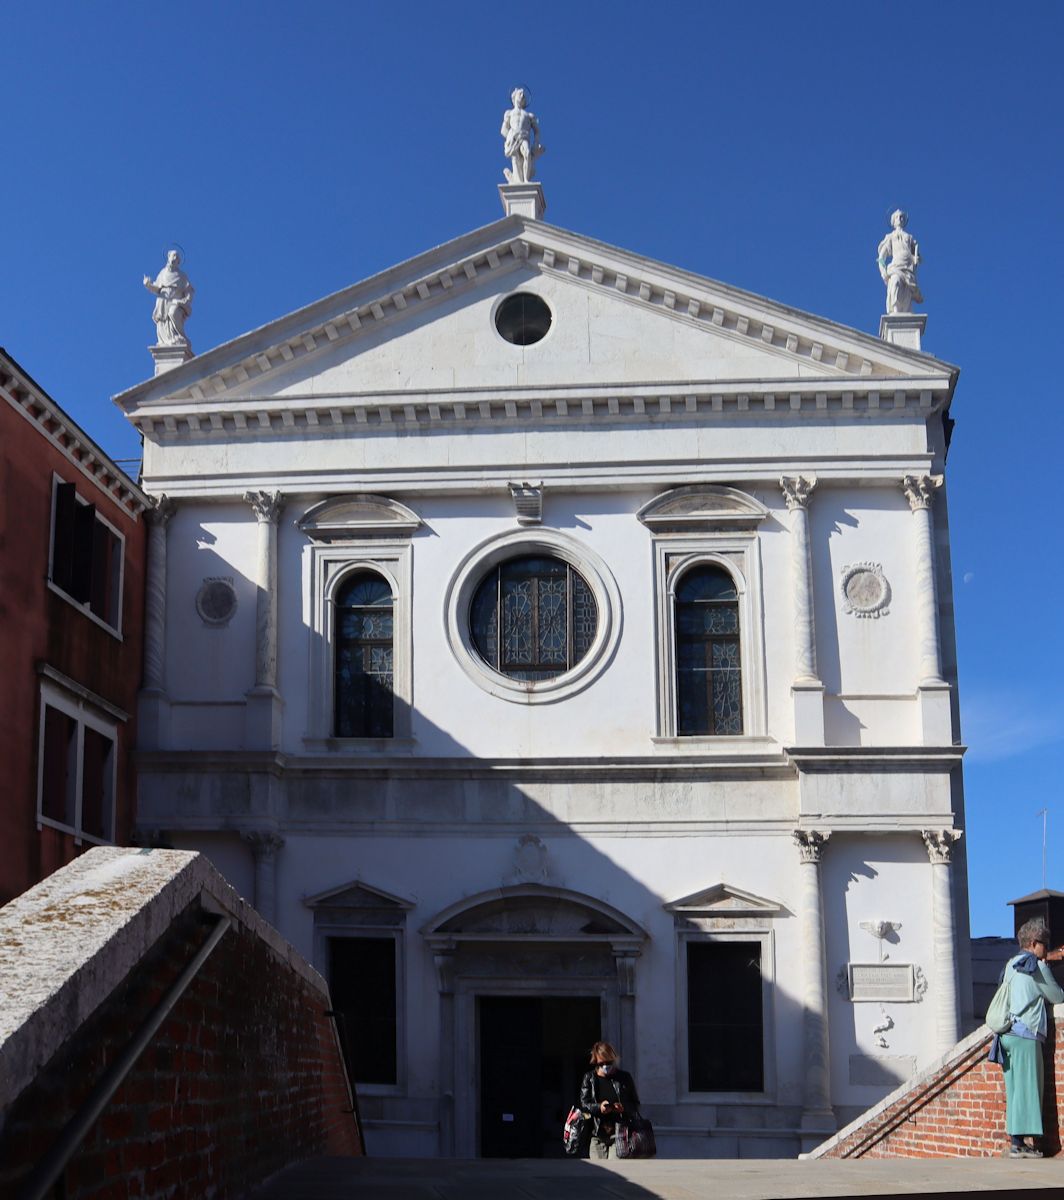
{"points": [[417, 343], [358, 895], [723, 900]]}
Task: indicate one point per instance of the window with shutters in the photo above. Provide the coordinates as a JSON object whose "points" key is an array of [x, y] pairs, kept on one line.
{"points": [[86, 559]]}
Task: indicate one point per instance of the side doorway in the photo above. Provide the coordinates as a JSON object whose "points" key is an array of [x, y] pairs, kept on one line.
{"points": [[533, 1051]]}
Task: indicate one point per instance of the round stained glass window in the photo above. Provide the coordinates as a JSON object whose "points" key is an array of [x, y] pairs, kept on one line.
{"points": [[523, 319], [533, 618]]}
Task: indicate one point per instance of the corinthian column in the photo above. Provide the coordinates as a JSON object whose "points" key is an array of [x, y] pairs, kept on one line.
{"points": [[817, 1115], [263, 725], [264, 845], [920, 492], [806, 689], [939, 843]]}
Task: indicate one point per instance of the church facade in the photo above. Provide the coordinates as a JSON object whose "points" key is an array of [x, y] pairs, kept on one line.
{"points": [[555, 645]]}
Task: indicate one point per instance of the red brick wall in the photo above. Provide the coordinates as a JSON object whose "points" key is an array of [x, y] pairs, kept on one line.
{"points": [[36, 624], [958, 1113], [244, 1077]]}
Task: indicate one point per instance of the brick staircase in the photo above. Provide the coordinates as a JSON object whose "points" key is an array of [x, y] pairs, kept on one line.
{"points": [[953, 1109]]}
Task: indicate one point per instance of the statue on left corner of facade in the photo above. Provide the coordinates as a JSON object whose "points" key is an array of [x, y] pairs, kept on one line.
{"points": [[522, 145], [900, 274], [173, 303]]}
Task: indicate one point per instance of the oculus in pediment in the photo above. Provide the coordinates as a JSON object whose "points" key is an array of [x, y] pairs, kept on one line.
{"points": [[358, 895], [723, 900], [702, 508], [348, 518], [533, 912]]}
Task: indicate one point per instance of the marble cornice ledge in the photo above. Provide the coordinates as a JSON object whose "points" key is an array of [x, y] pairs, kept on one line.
{"points": [[772, 765], [867, 759], [384, 412]]}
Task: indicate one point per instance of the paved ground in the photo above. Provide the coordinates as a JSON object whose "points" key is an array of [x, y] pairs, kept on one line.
{"points": [[659, 1179]]}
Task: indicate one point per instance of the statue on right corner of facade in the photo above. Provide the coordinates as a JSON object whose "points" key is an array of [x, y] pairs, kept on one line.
{"points": [[900, 273], [522, 145]]}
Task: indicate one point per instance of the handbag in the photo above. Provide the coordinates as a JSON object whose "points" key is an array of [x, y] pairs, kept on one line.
{"points": [[998, 1014], [576, 1133], [635, 1138]]}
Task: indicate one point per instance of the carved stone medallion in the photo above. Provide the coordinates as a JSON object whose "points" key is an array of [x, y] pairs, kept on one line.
{"points": [[865, 590], [216, 601]]}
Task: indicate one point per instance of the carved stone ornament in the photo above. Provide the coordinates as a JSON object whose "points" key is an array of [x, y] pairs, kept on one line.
{"points": [[920, 490], [529, 861], [216, 601], [796, 490], [266, 505], [264, 843], [161, 510], [865, 590], [811, 843], [842, 981], [939, 843], [528, 502], [520, 134], [881, 931], [919, 985]]}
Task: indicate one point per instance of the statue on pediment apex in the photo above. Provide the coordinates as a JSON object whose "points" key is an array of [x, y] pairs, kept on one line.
{"points": [[173, 302], [522, 146], [899, 246]]}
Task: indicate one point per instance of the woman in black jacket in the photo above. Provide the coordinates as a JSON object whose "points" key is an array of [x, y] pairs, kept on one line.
{"points": [[609, 1095]]}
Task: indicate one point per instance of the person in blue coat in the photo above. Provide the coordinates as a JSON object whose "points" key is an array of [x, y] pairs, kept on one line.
{"points": [[1031, 986]]}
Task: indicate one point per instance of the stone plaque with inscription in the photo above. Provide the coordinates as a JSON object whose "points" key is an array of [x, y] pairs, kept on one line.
{"points": [[881, 981]]}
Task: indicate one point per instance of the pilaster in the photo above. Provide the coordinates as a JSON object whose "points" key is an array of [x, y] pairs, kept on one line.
{"points": [[807, 690], [265, 843], [263, 711], [153, 706], [818, 1118], [940, 843], [933, 692]]}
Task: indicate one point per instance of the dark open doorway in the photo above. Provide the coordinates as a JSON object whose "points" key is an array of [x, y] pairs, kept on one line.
{"points": [[533, 1052]]}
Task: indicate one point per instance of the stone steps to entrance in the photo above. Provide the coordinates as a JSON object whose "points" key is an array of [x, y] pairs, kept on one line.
{"points": [[658, 1179]]}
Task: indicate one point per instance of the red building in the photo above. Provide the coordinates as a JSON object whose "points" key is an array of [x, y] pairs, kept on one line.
{"points": [[72, 550]]}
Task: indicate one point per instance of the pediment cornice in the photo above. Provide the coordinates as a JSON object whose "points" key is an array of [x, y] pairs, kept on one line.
{"points": [[723, 900], [834, 352]]}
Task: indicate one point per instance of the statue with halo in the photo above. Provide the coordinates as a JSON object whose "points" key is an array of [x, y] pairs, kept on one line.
{"points": [[900, 273], [173, 303], [522, 146]]}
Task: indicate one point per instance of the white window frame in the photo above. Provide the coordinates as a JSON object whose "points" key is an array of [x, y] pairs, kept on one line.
{"points": [[87, 716], [766, 939], [738, 553], [324, 929], [488, 555], [83, 606], [329, 566]]}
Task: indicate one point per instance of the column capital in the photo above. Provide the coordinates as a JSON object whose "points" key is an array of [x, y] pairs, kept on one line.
{"points": [[940, 843], [264, 843], [811, 843], [920, 490], [796, 490], [266, 505], [160, 510]]}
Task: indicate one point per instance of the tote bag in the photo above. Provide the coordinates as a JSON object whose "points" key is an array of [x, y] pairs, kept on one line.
{"points": [[635, 1139], [998, 1016]]}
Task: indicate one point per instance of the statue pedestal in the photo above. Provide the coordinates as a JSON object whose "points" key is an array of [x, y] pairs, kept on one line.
{"points": [[168, 357], [523, 200], [903, 329]]}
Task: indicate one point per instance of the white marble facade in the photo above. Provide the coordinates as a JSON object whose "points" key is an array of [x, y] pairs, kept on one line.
{"points": [[561, 838]]}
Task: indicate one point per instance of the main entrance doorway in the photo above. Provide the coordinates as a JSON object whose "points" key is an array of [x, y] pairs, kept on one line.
{"points": [[533, 1053]]}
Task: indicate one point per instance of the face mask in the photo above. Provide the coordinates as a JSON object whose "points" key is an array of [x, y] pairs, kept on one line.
{"points": [[607, 1068]]}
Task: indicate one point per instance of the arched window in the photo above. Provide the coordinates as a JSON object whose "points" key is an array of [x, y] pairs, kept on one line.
{"points": [[363, 666], [533, 618], [709, 694]]}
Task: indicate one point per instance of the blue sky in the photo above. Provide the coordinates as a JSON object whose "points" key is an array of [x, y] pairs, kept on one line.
{"points": [[292, 149]]}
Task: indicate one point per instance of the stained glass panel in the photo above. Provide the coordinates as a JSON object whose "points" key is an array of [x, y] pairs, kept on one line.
{"points": [[708, 669], [533, 618], [363, 680]]}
